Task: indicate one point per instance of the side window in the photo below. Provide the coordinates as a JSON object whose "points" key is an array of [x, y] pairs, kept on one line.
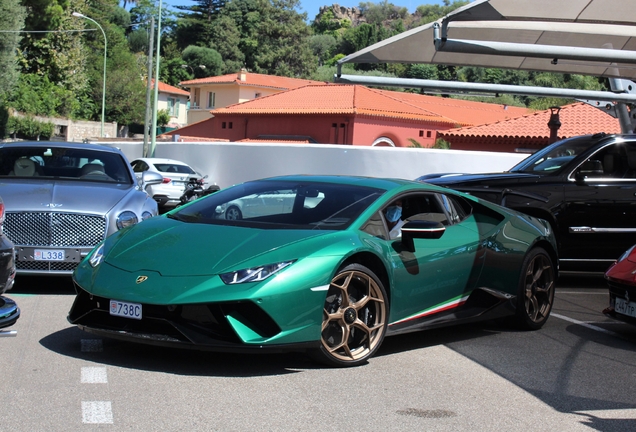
{"points": [[456, 208], [425, 206], [375, 227], [616, 161], [139, 166]]}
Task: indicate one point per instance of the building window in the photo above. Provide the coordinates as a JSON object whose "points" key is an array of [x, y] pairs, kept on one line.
{"points": [[230, 125], [421, 133], [171, 104], [428, 134], [211, 96], [176, 108], [257, 95], [223, 125]]}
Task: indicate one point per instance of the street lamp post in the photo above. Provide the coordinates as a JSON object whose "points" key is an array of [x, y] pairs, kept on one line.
{"points": [[77, 14]]}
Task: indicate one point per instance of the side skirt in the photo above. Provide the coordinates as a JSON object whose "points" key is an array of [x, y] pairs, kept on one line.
{"points": [[480, 305]]}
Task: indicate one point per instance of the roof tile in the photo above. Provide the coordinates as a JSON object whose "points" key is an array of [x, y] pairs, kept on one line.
{"points": [[576, 119]]}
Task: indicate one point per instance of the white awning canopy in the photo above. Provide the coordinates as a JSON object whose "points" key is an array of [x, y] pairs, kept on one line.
{"points": [[589, 37]]}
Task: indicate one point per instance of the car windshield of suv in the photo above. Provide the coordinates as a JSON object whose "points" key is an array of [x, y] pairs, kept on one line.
{"points": [[282, 205], [63, 163], [554, 157]]}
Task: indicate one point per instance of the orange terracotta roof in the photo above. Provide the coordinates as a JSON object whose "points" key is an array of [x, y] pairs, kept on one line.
{"points": [[167, 88], [463, 112], [336, 99], [252, 79], [576, 119]]}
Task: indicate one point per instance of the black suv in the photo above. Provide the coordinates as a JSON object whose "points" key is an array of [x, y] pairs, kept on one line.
{"points": [[584, 186]]}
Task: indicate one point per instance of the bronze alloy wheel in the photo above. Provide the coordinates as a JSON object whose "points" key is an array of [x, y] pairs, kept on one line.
{"points": [[354, 317], [536, 290]]}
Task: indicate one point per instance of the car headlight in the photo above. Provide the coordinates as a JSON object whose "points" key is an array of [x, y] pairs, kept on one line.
{"points": [[146, 215], [254, 274], [97, 256], [126, 219]]}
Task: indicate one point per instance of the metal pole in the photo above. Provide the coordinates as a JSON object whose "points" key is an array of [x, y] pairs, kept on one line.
{"points": [[148, 87], [153, 133], [77, 14]]}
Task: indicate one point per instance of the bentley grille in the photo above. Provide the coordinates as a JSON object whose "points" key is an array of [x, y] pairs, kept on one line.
{"points": [[52, 229]]}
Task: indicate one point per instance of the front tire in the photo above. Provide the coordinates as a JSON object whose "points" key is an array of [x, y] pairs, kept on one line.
{"points": [[355, 317], [536, 290]]}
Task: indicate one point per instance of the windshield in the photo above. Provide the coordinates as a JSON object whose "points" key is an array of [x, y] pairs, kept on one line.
{"points": [[553, 157], [63, 163], [282, 204]]}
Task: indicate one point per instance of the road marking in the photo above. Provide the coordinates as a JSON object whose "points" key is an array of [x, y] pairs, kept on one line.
{"points": [[92, 345], [581, 323], [94, 375], [97, 412]]}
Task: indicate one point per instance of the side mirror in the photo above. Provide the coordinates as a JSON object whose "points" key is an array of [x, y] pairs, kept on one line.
{"points": [[149, 178], [420, 230]]}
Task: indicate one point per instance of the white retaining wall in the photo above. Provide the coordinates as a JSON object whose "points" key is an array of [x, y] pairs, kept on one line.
{"points": [[231, 163]]}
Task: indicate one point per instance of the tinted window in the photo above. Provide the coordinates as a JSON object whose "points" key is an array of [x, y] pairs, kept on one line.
{"points": [[282, 204], [554, 157]]}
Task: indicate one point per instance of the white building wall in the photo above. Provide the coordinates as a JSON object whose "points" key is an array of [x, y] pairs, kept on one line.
{"points": [[231, 163]]}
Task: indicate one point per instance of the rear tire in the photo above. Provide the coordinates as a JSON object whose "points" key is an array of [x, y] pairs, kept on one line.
{"points": [[233, 213], [536, 290], [355, 318]]}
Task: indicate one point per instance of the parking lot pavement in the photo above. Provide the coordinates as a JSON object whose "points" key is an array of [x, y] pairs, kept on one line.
{"points": [[567, 376]]}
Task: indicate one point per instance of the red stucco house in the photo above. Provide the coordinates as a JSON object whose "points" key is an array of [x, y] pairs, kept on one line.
{"points": [[531, 132], [345, 114]]}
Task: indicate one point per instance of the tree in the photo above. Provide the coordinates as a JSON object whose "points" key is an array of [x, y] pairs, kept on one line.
{"points": [[226, 39], [12, 16], [283, 47], [322, 46], [211, 59]]}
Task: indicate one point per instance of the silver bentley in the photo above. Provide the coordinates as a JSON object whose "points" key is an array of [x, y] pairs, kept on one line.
{"points": [[61, 199]]}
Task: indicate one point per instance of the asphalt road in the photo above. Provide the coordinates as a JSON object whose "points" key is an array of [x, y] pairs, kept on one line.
{"points": [[578, 373]]}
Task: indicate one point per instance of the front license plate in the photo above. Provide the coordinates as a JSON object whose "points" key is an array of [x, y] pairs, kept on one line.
{"points": [[48, 255], [624, 307], [126, 310]]}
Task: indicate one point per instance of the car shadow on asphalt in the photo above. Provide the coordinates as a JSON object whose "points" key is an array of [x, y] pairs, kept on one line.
{"points": [[70, 341], [52, 285]]}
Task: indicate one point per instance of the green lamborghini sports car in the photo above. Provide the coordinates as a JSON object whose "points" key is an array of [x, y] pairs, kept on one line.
{"points": [[328, 265]]}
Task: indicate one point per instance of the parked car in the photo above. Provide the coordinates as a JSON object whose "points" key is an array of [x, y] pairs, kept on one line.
{"points": [[176, 175], [61, 199], [9, 311], [583, 186], [621, 280], [324, 277]]}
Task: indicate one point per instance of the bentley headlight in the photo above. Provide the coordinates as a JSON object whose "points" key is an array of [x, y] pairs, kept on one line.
{"points": [[146, 215], [97, 256], [254, 274], [126, 219]]}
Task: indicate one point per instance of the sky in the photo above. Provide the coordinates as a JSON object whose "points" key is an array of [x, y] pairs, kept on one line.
{"points": [[312, 7]]}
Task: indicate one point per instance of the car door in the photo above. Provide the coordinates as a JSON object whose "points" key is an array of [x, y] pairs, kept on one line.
{"points": [[440, 273], [599, 215]]}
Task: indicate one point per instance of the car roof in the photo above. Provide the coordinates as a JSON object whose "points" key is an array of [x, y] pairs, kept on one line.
{"points": [[62, 144]]}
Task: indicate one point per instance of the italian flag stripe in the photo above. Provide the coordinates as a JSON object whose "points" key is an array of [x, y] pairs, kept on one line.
{"points": [[456, 302]]}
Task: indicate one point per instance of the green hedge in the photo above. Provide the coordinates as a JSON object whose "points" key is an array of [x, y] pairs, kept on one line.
{"points": [[29, 128]]}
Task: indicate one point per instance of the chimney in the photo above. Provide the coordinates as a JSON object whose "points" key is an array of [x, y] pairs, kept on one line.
{"points": [[242, 76], [554, 124]]}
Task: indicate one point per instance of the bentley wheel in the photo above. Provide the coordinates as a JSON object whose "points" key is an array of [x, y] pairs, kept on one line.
{"points": [[354, 317], [233, 213], [536, 290]]}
